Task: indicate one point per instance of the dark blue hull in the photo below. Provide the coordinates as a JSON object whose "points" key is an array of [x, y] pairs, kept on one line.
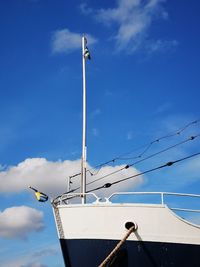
{"points": [[90, 253]]}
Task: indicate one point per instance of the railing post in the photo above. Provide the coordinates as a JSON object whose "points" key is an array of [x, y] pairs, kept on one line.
{"points": [[162, 198]]}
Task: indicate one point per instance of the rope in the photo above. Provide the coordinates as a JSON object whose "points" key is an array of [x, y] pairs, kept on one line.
{"points": [[118, 246]]}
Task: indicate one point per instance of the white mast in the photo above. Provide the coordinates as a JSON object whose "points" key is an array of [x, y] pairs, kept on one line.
{"points": [[84, 148]]}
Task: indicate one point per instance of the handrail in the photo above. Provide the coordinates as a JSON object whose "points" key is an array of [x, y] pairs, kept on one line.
{"points": [[162, 195], [187, 210], [133, 193], [66, 197]]}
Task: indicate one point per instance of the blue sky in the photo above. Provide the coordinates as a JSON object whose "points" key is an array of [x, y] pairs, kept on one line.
{"points": [[143, 83]]}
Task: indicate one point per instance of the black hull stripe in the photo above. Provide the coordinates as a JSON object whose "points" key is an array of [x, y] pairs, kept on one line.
{"points": [[91, 252]]}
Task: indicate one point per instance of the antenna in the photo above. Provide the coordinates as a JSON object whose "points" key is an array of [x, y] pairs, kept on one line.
{"points": [[84, 148]]}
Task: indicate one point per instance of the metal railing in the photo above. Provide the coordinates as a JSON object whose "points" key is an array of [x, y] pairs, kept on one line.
{"points": [[66, 198], [162, 198], [75, 198]]}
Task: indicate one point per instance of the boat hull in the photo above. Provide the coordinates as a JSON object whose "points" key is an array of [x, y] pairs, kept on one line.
{"points": [[91, 252], [88, 233]]}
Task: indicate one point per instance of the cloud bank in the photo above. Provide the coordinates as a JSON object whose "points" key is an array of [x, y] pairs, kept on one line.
{"points": [[18, 222], [51, 177]]}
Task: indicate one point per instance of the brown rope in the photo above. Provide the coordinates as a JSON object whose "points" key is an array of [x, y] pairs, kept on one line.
{"points": [[118, 246]]}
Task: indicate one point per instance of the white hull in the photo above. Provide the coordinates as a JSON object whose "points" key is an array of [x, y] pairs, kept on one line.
{"points": [[89, 232], [107, 221]]}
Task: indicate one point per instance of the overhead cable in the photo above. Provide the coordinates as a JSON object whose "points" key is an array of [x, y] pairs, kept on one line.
{"points": [[168, 164], [191, 138], [144, 147]]}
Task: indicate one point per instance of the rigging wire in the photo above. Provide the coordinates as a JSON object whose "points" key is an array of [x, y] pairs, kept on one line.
{"points": [[168, 164], [191, 138], [177, 132], [146, 148]]}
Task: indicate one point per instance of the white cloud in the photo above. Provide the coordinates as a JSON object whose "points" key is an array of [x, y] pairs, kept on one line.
{"points": [[189, 172], [18, 222], [120, 187], [133, 19], [21, 263], [85, 9], [160, 45], [33, 258], [65, 41], [51, 177], [45, 252]]}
